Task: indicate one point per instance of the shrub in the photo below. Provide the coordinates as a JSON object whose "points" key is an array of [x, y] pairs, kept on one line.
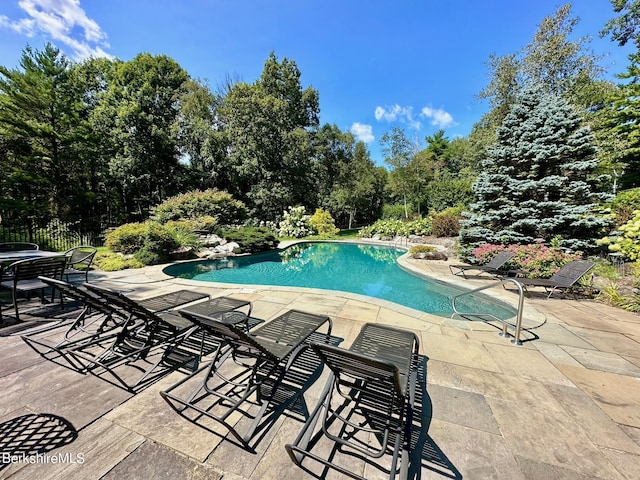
{"points": [[395, 211], [252, 239], [111, 262], [422, 249], [628, 243], [624, 205], [127, 238], [447, 222], [196, 204], [392, 228], [158, 244], [536, 260], [323, 223], [295, 223]]}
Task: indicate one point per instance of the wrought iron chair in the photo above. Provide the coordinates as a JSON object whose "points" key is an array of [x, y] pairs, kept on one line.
{"points": [[24, 278], [79, 260]]}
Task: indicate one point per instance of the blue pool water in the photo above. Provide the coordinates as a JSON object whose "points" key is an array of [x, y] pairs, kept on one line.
{"points": [[365, 269]]}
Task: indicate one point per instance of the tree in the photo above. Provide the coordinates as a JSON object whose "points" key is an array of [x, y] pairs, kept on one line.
{"points": [[537, 181], [398, 152], [38, 125], [268, 126], [355, 191], [553, 61], [620, 118], [138, 110]]}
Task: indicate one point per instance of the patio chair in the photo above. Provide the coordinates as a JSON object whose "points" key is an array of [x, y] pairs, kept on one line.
{"points": [[493, 266], [261, 360], [96, 318], [24, 280], [565, 279], [142, 334], [15, 246], [79, 260], [366, 405]]}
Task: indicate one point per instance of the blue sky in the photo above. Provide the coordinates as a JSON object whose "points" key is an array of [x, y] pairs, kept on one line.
{"points": [[416, 64]]}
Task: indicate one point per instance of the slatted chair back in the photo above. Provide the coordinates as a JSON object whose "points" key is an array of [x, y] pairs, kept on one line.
{"points": [[499, 260], [79, 260], [571, 273], [31, 269], [153, 321], [72, 291], [233, 335]]}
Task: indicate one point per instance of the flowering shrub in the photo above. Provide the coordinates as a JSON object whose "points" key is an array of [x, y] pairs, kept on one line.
{"points": [[535, 260], [295, 223], [392, 228]]}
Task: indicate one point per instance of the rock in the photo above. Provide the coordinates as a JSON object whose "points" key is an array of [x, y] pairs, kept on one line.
{"points": [[431, 256], [231, 247], [417, 239]]}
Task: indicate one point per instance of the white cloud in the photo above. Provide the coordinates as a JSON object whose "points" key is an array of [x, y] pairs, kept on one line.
{"points": [[64, 21], [396, 113], [362, 132], [438, 117]]}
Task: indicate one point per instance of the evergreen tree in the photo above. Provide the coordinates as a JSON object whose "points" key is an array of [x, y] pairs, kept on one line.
{"points": [[537, 181]]}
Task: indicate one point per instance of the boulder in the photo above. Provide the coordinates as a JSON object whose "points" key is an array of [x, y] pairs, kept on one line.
{"points": [[431, 256]]}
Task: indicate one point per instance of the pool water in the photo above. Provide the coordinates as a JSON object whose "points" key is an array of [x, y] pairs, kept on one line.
{"points": [[365, 269]]}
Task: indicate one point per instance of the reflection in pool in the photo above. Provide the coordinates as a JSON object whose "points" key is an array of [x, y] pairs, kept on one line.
{"points": [[365, 269]]}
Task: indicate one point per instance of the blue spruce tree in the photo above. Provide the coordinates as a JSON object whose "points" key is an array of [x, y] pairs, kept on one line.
{"points": [[538, 181]]}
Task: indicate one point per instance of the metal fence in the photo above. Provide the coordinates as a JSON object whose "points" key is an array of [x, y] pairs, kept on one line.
{"points": [[49, 234]]}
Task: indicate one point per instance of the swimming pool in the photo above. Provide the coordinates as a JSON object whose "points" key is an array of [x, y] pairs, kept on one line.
{"points": [[365, 269]]}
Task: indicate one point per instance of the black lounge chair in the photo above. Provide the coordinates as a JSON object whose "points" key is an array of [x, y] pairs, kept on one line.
{"points": [[374, 382], [262, 359], [493, 266], [142, 334], [566, 279], [96, 318]]}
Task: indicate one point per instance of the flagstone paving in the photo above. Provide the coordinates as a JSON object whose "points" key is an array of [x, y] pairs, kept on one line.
{"points": [[565, 404]]}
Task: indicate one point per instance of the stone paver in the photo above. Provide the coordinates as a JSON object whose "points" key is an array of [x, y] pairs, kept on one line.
{"points": [[565, 404]]}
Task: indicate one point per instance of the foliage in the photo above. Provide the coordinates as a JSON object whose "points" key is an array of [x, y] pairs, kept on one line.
{"points": [[396, 211], [197, 204], [628, 243], [295, 223], [111, 262], [127, 238], [449, 192], [252, 239], [267, 125], [393, 228], [624, 204], [323, 223], [159, 242], [535, 260], [398, 151], [447, 222], [538, 181], [422, 249]]}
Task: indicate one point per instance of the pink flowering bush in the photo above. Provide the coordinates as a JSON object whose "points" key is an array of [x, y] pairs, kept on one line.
{"points": [[535, 260]]}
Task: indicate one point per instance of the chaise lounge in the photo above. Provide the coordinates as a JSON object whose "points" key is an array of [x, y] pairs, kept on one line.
{"points": [[493, 267]]}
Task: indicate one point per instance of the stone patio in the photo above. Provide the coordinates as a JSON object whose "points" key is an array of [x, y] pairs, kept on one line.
{"points": [[565, 404]]}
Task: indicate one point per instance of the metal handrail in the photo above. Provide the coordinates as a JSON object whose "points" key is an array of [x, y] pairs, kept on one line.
{"points": [[518, 325]]}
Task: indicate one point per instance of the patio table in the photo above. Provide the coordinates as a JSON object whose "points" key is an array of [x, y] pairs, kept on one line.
{"points": [[15, 255]]}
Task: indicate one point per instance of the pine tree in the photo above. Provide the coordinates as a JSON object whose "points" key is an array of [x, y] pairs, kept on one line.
{"points": [[538, 180]]}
